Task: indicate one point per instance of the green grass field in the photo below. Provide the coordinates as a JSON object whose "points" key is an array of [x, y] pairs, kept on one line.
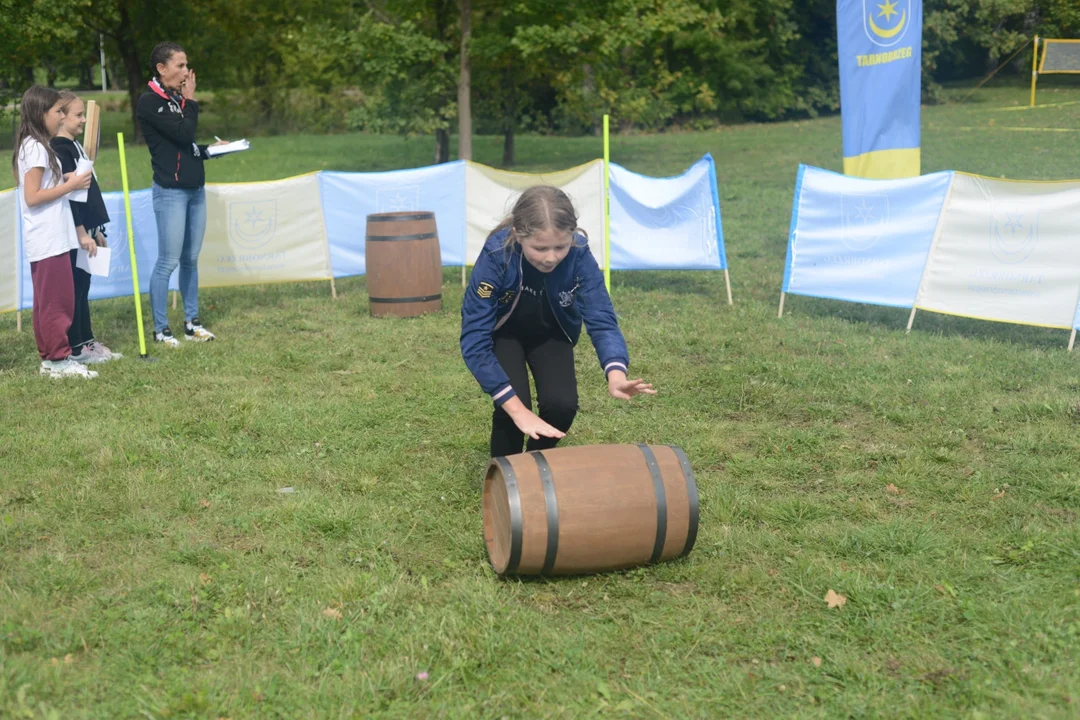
{"points": [[150, 569]]}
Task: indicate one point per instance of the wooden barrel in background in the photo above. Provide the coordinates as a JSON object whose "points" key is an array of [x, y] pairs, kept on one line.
{"points": [[404, 265], [589, 509]]}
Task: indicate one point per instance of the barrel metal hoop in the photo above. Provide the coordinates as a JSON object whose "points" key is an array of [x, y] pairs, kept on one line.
{"points": [[401, 218], [551, 506], [661, 502], [514, 496], [388, 238], [692, 494], [421, 298]]}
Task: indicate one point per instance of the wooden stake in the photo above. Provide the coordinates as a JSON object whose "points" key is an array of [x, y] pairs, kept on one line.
{"points": [[910, 321], [174, 300], [727, 281], [333, 289], [18, 321], [92, 130], [462, 277], [780, 313], [1072, 339]]}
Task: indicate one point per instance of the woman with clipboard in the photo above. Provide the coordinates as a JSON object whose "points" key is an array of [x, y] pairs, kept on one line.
{"points": [[169, 116]]}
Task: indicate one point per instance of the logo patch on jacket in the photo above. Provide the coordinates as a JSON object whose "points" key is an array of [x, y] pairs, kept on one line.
{"points": [[566, 297], [484, 290], [507, 297]]}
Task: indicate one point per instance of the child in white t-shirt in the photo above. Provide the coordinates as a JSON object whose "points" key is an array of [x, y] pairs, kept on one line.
{"points": [[48, 229]]}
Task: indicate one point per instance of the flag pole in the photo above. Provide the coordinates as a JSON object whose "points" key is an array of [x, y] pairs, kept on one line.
{"points": [[607, 208], [131, 247]]}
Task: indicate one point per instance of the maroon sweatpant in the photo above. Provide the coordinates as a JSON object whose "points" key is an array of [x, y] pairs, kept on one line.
{"points": [[54, 305]]}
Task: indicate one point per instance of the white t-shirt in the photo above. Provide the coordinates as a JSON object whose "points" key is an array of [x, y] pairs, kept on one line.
{"points": [[48, 229]]}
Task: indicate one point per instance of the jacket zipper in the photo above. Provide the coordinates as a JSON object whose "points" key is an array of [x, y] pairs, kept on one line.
{"points": [[554, 314]]}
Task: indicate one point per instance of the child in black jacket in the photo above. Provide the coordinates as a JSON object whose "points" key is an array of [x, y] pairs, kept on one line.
{"points": [[90, 219]]}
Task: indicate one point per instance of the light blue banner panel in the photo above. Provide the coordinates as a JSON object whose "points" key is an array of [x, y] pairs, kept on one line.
{"points": [[862, 240], [879, 48], [666, 223], [348, 198], [118, 283]]}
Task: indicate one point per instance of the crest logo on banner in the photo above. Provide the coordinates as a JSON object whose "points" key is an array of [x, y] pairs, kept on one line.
{"points": [[401, 199], [252, 224], [886, 22], [864, 219], [1014, 232]]}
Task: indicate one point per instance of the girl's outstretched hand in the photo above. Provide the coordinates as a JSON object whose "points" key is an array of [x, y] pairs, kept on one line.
{"points": [[624, 389], [528, 422]]}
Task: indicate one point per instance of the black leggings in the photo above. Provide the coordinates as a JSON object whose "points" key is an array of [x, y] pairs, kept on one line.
{"points": [[552, 363], [80, 332]]}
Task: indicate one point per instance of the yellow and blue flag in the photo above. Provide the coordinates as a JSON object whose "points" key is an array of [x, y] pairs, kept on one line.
{"points": [[879, 43]]}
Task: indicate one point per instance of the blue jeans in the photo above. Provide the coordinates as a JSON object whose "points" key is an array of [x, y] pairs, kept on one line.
{"points": [[181, 223]]}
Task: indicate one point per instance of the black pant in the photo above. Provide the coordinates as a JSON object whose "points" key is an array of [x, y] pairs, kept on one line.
{"points": [[552, 363], [80, 333]]}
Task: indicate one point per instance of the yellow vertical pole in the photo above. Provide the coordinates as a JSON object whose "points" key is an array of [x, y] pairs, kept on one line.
{"points": [[607, 208], [131, 246], [1034, 69]]}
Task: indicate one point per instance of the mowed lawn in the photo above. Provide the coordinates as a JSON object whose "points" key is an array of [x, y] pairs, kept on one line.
{"points": [[150, 567]]}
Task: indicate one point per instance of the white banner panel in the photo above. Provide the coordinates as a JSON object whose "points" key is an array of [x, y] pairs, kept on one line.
{"points": [[263, 233], [490, 195], [666, 223], [9, 251], [1006, 251]]}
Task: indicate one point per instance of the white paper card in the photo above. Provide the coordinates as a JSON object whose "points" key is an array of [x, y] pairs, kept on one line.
{"points": [[84, 165], [97, 265]]}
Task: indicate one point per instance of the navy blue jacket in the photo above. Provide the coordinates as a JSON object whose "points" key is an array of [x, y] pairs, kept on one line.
{"points": [[578, 285]]}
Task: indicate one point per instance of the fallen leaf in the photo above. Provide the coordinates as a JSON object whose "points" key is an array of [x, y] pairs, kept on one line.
{"points": [[999, 494], [890, 488], [332, 613], [773, 572], [205, 579], [204, 503], [816, 660], [835, 599]]}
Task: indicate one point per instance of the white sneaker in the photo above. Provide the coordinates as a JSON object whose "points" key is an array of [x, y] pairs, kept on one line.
{"points": [[66, 368], [194, 330], [100, 350], [166, 337], [87, 356]]}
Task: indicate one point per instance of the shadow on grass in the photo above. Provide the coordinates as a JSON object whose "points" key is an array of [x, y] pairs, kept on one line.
{"points": [[707, 283], [928, 323]]}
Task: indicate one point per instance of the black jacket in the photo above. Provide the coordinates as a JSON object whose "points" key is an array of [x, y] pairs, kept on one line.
{"points": [[169, 124], [92, 213]]}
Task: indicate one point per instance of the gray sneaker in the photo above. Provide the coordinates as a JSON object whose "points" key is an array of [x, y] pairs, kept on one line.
{"points": [[65, 368], [87, 356]]}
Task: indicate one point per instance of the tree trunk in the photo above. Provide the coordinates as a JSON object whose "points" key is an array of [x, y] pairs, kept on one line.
{"points": [[442, 146], [464, 93], [86, 80], [125, 42], [509, 116]]}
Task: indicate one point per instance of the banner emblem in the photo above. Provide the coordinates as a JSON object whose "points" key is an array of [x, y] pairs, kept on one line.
{"points": [[1014, 233], [886, 22], [864, 219], [252, 224]]}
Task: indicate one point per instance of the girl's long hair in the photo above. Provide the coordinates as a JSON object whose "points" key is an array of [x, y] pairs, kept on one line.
{"points": [[540, 207], [35, 103]]}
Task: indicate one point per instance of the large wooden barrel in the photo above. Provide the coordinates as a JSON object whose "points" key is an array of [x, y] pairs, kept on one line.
{"points": [[589, 509], [404, 266]]}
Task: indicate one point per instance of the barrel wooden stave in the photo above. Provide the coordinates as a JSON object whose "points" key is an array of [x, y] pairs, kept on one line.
{"points": [[403, 261], [603, 507]]}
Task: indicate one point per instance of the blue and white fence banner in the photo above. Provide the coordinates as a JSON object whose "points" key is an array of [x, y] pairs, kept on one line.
{"points": [[666, 223]]}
